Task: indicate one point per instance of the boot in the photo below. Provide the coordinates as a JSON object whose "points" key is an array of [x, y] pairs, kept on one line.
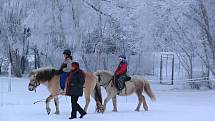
{"points": [[73, 116], [82, 115]]}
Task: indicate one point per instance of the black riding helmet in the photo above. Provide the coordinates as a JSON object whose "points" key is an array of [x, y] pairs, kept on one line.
{"points": [[67, 52]]}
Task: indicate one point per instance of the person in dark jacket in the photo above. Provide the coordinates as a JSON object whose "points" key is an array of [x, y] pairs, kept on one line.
{"points": [[120, 73], [74, 88]]}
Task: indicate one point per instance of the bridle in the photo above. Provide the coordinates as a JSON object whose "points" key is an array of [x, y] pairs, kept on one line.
{"points": [[34, 83], [105, 85]]}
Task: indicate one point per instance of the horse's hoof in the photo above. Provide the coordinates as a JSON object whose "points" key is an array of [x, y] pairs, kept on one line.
{"points": [[102, 111], [137, 110], [146, 109], [57, 113], [98, 110], [114, 110], [48, 111]]}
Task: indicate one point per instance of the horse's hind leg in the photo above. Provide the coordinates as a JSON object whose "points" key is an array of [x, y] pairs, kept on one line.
{"points": [[56, 101], [98, 107], [114, 101], [47, 104], [145, 106], [140, 99], [87, 99]]}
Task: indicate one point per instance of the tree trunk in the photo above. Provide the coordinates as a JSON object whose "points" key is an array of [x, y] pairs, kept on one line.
{"points": [[75, 16], [85, 63], [15, 61], [36, 59]]}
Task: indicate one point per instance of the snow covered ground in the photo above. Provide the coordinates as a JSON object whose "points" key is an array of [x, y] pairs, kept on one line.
{"points": [[171, 105]]}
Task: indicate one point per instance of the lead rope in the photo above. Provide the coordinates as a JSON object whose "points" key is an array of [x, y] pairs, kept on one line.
{"points": [[44, 100], [126, 94]]}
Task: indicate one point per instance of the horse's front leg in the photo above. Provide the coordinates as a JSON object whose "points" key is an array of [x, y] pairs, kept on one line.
{"points": [[99, 106], [114, 101], [107, 99], [56, 101], [50, 97]]}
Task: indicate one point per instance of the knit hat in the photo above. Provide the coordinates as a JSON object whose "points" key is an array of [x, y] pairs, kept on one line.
{"points": [[75, 65], [122, 56]]}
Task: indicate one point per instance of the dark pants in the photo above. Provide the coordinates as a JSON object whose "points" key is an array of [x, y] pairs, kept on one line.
{"points": [[119, 81], [76, 107]]}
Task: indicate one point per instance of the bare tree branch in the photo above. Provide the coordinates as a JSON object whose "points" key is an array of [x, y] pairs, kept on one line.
{"points": [[96, 9]]}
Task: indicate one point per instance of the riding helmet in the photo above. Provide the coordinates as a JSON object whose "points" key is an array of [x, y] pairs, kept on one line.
{"points": [[67, 52]]}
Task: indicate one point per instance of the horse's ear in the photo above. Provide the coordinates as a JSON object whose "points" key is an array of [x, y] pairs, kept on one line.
{"points": [[95, 73], [31, 73]]}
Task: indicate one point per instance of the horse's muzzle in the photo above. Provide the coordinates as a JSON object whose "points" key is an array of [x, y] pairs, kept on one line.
{"points": [[30, 88]]}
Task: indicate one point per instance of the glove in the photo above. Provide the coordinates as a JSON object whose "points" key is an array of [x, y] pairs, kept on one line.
{"points": [[64, 65]]}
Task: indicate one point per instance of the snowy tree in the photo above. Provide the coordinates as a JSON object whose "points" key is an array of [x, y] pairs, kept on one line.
{"points": [[15, 35]]}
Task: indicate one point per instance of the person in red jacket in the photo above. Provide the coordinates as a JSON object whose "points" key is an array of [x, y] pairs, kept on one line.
{"points": [[120, 73]]}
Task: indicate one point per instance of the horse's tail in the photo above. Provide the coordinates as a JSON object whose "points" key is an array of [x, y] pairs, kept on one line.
{"points": [[98, 94], [149, 91]]}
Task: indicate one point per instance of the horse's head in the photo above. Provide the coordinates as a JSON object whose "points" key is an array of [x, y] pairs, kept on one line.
{"points": [[104, 77], [33, 82]]}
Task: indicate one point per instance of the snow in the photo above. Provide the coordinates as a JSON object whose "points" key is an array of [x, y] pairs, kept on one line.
{"points": [[171, 105]]}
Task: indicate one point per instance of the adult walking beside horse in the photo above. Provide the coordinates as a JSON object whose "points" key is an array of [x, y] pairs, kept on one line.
{"points": [[74, 89]]}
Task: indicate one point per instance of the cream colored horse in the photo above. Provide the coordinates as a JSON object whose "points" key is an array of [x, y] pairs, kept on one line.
{"points": [[50, 78], [136, 84]]}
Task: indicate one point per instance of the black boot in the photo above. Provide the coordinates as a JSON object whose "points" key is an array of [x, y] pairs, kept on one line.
{"points": [[73, 115], [82, 115]]}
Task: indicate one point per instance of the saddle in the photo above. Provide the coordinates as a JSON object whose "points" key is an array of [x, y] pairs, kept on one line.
{"points": [[128, 78], [120, 82]]}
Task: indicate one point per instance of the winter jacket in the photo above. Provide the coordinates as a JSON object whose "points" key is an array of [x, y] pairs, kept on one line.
{"points": [[121, 69], [75, 82], [66, 66]]}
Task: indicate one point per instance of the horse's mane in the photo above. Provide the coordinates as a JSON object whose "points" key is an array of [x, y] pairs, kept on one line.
{"points": [[138, 77], [44, 73], [103, 71], [35, 71]]}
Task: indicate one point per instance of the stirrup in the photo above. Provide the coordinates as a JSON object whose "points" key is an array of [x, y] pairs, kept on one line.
{"points": [[128, 79], [119, 91]]}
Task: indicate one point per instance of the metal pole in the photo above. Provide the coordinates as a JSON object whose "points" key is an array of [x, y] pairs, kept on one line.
{"points": [[9, 76], [161, 64], [153, 64], [167, 58], [2, 94], [173, 59]]}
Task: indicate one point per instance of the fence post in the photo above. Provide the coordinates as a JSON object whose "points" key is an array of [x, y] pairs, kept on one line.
{"points": [[2, 96], [173, 62], [9, 76], [161, 68]]}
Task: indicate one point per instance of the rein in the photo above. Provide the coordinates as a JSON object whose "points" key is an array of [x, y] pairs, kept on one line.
{"points": [[44, 100], [105, 85], [35, 84]]}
